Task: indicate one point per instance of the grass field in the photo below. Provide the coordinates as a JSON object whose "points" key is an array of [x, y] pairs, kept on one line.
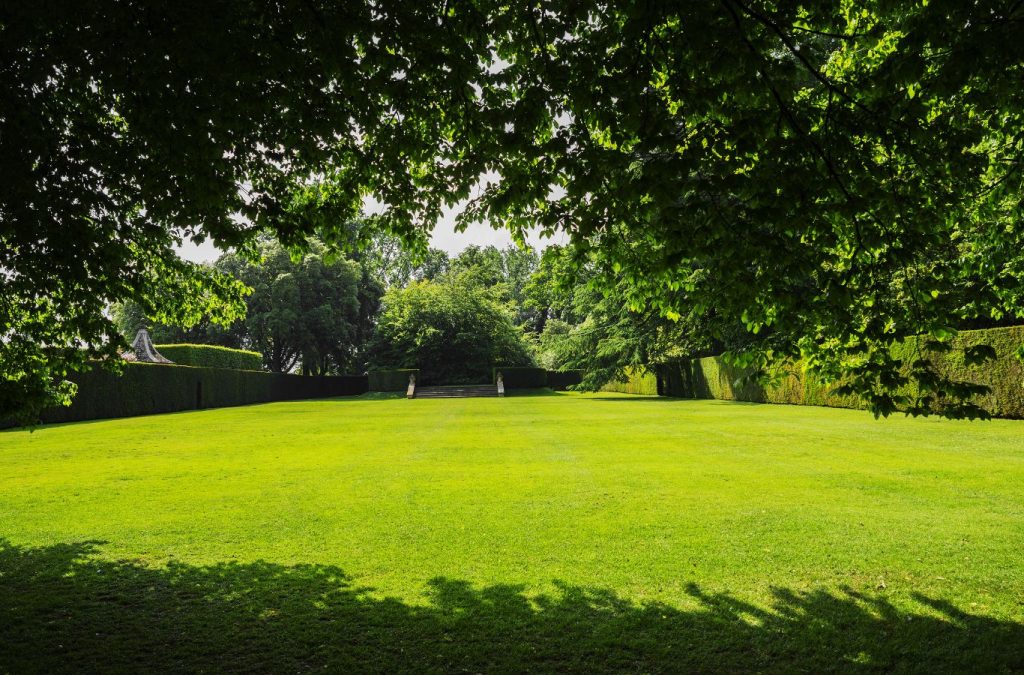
{"points": [[558, 532]]}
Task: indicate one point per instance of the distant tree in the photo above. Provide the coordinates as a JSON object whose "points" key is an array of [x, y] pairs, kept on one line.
{"points": [[454, 330], [387, 259], [313, 313], [480, 265], [548, 292]]}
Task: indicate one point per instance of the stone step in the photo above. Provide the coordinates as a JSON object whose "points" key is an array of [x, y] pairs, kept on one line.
{"points": [[457, 391]]}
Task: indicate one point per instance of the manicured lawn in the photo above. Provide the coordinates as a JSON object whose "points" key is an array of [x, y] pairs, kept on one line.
{"points": [[559, 532]]}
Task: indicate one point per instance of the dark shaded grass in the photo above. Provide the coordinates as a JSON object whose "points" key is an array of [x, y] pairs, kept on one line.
{"points": [[62, 609]]}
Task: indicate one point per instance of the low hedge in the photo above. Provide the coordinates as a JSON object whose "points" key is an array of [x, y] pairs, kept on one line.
{"points": [[712, 377], [148, 388], [560, 380], [392, 380], [640, 381], [521, 377], [211, 356]]}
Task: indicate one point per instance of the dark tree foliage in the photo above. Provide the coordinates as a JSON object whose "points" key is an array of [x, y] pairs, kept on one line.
{"points": [[595, 328], [835, 175], [127, 127], [312, 313]]}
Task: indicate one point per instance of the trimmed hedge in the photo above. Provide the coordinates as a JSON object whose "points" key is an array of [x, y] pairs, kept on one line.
{"points": [[148, 388], [641, 381], [1004, 374], [211, 356], [392, 380], [560, 380], [521, 377], [711, 377]]}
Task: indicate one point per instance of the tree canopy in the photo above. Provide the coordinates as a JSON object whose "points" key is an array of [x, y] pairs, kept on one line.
{"points": [[836, 176], [314, 313]]}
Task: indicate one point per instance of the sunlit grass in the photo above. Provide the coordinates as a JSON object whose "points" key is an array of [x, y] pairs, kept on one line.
{"points": [[584, 507]]}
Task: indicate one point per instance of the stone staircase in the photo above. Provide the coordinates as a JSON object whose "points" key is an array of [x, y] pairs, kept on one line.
{"points": [[457, 391]]}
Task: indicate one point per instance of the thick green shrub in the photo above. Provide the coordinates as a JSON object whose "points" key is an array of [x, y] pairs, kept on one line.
{"points": [[560, 380], [148, 388], [641, 381], [211, 356], [392, 380], [521, 377]]}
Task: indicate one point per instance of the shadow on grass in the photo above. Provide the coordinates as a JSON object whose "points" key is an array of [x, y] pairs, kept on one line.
{"points": [[62, 609]]}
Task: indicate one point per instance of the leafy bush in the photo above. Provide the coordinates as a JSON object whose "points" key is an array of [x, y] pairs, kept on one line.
{"points": [[211, 356], [391, 380], [148, 388], [516, 377]]}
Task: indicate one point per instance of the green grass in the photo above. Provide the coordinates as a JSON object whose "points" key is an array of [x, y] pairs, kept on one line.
{"points": [[560, 532]]}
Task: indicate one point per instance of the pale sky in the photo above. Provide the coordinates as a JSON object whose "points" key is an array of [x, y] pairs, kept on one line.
{"points": [[443, 237]]}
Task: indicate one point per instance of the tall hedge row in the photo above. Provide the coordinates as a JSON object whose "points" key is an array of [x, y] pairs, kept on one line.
{"points": [[521, 377], [148, 388], [211, 356], [560, 380], [640, 381], [392, 380], [712, 377]]}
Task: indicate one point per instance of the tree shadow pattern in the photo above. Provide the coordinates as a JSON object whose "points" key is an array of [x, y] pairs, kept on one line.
{"points": [[64, 609]]}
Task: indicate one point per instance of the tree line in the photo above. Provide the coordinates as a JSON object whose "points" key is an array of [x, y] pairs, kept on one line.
{"points": [[830, 177], [454, 317]]}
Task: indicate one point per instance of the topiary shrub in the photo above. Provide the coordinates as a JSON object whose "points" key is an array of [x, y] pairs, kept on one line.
{"points": [[521, 377], [211, 356], [392, 380]]}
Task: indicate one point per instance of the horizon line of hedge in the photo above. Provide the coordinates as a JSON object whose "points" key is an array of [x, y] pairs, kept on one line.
{"points": [[211, 356], [712, 378], [151, 388]]}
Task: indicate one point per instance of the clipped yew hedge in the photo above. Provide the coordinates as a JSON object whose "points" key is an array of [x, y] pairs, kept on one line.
{"points": [[392, 380], [148, 388], [211, 356], [560, 380], [712, 377], [521, 377], [1004, 374], [640, 381]]}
